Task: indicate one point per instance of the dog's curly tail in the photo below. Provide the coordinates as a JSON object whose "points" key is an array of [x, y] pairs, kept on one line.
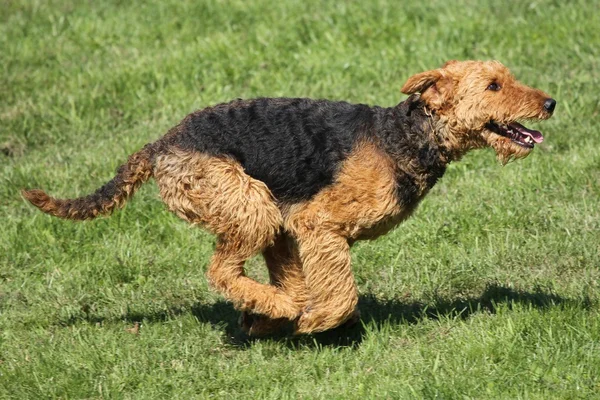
{"points": [[130, 176]]}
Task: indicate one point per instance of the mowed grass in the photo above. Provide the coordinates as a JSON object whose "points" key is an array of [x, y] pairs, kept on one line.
{"points": [[489, 291]]}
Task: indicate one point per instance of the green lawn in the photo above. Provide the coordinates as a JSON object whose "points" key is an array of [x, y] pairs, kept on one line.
{"points": [[489, 291]]}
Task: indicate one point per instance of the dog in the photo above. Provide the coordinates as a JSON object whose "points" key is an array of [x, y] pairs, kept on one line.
{"points": [[301, 180]]}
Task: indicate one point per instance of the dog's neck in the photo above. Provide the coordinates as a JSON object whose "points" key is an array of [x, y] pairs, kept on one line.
{"points": [[412, 136], [412, 124], [446, 136]]}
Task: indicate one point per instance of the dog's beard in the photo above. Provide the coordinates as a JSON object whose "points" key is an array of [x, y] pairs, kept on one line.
{"points": [[507, 150]]}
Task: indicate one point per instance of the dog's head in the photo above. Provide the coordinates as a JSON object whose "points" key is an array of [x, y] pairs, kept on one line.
{"points": [[480, 104]]}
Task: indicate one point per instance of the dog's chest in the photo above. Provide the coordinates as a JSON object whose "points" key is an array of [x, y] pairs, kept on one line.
{"points": [[407, 195], [411, 182]]}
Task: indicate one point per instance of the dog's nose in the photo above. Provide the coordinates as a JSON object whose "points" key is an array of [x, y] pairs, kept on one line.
{"points": [[549, 105]]}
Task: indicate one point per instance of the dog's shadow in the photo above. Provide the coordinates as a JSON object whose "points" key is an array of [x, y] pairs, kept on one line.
{"points": [[381, 311], [374, 311]]}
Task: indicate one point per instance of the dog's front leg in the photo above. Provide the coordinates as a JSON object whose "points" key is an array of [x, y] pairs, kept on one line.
{"points": [[331, 288]]}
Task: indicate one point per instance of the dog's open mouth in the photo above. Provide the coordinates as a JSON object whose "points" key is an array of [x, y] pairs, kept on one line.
{"points": [[517, 133]]}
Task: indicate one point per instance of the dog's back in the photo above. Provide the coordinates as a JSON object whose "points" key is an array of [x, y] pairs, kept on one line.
{"points": [[294, 146]]}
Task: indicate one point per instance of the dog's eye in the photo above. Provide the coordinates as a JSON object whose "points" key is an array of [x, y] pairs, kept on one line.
{"points": [[494, 87]]}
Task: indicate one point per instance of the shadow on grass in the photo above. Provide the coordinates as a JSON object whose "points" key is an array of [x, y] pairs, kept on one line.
{"points": [[375, 311]]}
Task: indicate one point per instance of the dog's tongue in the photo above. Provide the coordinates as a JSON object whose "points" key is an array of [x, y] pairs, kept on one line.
{"points": [[535, 135]]}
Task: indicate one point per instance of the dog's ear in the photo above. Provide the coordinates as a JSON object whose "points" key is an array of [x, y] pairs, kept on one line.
{"points": [[435, 87], [449, 62], [420, 82]]}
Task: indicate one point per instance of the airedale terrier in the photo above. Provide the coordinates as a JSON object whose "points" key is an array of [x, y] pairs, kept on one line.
{"points": [[301, 180]]}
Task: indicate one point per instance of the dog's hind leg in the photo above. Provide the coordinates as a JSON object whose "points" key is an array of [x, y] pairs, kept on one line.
{"points": [[226, 274], [216, 193], [285, 272]]}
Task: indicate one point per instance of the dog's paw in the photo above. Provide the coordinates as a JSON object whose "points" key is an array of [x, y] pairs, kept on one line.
{"points": [[353, 320], [245, 321], [259, 325], [313, 321]]}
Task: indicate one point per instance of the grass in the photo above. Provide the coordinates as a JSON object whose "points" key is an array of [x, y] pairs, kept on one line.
{"points": [[489, 291]]}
